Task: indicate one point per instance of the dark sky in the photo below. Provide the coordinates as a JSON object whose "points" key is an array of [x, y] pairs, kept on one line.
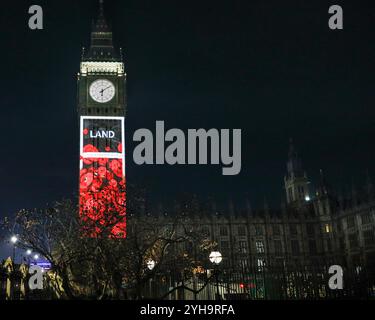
{"points": [[271, 68]]}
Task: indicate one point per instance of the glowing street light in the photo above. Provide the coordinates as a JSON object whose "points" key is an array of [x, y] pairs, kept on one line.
{"points": [[13, 239], [36, 257], [150, 264], [28, 254], [215, 257]]}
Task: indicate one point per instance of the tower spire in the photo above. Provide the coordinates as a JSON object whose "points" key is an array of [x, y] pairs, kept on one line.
{"points": [[323, 188], [101, 47], [295, 180], [101, 24], [294, 164]]}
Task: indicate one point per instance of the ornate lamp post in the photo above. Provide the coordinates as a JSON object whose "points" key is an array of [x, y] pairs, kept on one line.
{"points": [[14, 240], [28, 254], [150, 266], [215, 258]]}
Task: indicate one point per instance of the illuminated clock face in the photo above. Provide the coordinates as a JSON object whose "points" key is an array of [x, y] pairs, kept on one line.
{"points": [[102, 90]]}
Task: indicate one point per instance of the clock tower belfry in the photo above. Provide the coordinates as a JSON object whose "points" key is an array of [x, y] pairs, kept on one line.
{"points": [[101, 104], [101, 62]]}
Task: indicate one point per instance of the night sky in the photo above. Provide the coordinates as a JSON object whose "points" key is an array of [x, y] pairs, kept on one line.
{"points": [[271, 68]]}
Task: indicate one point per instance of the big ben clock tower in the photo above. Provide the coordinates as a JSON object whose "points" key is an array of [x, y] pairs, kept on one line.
{"points": [[101, 109]]}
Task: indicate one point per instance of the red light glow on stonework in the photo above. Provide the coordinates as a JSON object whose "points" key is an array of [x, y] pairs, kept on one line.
{"points": [[103, 197], [102, 183]]}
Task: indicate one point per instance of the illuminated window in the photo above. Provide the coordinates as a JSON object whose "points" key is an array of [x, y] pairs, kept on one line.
{"points": [[327, 228], [261, 264], [243, 246], [244, 263], [259, 246]]}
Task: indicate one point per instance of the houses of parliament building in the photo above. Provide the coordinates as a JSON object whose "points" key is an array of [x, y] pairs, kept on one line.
{"points": [[321, 229]]}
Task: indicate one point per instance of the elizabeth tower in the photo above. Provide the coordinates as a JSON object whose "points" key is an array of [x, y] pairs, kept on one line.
{"points": [[101, 108]]}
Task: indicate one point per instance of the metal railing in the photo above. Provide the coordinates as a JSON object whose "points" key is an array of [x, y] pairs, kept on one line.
{"points": [[251, 282]]}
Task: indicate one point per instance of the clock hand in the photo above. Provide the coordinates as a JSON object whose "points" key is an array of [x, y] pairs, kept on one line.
{"points": [[106, 88]]}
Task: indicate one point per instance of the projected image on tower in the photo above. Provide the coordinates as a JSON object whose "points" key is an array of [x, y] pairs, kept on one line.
{"points": [[102, 177]]}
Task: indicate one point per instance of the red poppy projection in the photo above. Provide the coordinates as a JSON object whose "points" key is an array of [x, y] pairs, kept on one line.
{"points": [[102, 192]]}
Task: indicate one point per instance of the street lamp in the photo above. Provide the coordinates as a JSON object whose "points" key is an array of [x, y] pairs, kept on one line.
{"points": [[215, 258], [14, 240], [150, 266], [28, 254], [36, 257]]}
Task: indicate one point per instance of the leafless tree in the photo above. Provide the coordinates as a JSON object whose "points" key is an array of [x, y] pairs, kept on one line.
{"points": [[100, 267]]}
